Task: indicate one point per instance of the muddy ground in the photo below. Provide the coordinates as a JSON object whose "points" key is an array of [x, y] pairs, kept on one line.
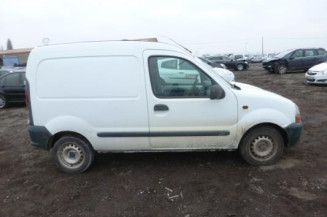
{"points": [[173, 184]]}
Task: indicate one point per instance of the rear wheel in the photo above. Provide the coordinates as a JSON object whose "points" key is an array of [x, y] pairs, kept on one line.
{"points": [[3, 102], [72, 154], [262, 146]]}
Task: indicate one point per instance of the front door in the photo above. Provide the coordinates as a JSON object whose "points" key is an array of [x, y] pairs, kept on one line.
{"points": [[181, 114]]}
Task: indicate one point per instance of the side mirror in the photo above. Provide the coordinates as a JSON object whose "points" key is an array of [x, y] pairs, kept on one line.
{"points": [[217, 92], [292, 58]]}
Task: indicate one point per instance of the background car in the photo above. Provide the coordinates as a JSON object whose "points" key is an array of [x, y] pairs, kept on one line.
{"points": [[295, 59], [5, 69], [212, 64], [12, 88], [226, 74], [238, 65], [257, 59], [317, 74]]}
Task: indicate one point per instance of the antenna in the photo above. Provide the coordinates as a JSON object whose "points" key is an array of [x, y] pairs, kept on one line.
{"points": [[173, 42]]}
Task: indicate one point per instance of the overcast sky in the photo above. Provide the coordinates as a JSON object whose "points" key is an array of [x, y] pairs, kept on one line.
{"points": [[206, 26]]}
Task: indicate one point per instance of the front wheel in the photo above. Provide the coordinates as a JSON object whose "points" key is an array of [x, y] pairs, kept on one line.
{"points": [[3, 102], [240, 67], [72, 154], [262, 146], [281, 68]]}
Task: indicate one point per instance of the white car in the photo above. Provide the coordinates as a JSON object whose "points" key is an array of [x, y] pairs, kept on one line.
{"points": [[317, 74], [117, 102], [220, 69], [226, 74]]}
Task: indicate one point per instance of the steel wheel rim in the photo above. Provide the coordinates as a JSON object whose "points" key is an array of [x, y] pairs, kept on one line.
{"points": [[2, 102], [240, 67], [71, 155], [263, 148]]}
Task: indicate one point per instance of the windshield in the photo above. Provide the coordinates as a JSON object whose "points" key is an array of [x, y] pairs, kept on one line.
{"points": [[282, 54]]}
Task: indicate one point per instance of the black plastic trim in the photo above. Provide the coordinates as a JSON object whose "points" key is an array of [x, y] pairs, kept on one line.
{"points": [[40, 136], [29, 107], [164, 134], [293, 132]]}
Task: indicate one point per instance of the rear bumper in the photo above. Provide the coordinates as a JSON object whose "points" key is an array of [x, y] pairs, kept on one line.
{"points": [[40, 136], [293, 132]]}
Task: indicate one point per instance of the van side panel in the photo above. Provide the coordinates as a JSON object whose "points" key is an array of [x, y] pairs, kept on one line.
{"points": [[88, 77], [91, 95]]}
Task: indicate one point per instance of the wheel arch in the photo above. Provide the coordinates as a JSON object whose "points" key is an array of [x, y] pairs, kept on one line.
{"points": [[266, 124], [54, 138]]}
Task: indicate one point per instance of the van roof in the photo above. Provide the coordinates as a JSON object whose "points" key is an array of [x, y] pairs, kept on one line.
{"points": [[140, 43]]}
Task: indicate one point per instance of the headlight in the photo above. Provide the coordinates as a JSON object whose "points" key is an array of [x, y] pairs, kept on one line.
{"points": [[223, 65], [322, 72], [246, 62]]}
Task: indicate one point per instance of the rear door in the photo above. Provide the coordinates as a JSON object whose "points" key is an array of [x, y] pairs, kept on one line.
{"points": [[296, 60], [310, 58], [181, 114]]}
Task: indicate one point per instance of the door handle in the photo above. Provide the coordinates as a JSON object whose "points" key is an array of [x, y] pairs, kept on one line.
{"points": [[161, 107]]}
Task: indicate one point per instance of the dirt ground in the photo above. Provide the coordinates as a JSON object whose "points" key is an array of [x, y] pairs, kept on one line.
{"points": [[173, 184]]}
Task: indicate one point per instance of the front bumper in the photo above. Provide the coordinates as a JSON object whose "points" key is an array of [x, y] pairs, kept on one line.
{"points": [[293, 133], [316, 79], [40, 136]]}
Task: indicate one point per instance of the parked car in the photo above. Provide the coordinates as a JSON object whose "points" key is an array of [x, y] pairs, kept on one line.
{"points": [[5, 69], [294, 60], [12, 88], [237, 56], [127, 108], [317, 74], [3, 72], [257, 59], [238, 65], [212, 64], [226, 74]]}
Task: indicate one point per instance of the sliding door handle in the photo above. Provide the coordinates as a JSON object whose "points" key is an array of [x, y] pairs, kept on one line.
{"points": [[161, 107]]}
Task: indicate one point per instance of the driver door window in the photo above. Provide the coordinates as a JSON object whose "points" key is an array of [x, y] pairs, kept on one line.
{"points": [[183, 81]]}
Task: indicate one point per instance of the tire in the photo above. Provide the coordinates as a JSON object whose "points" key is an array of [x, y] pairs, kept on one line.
{"points": [[239, 67], [72, 154], [281, 68], [3, 102], [262, 146]]}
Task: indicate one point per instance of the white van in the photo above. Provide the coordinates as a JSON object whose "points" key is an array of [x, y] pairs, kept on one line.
{"points": [[110, 97]]}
